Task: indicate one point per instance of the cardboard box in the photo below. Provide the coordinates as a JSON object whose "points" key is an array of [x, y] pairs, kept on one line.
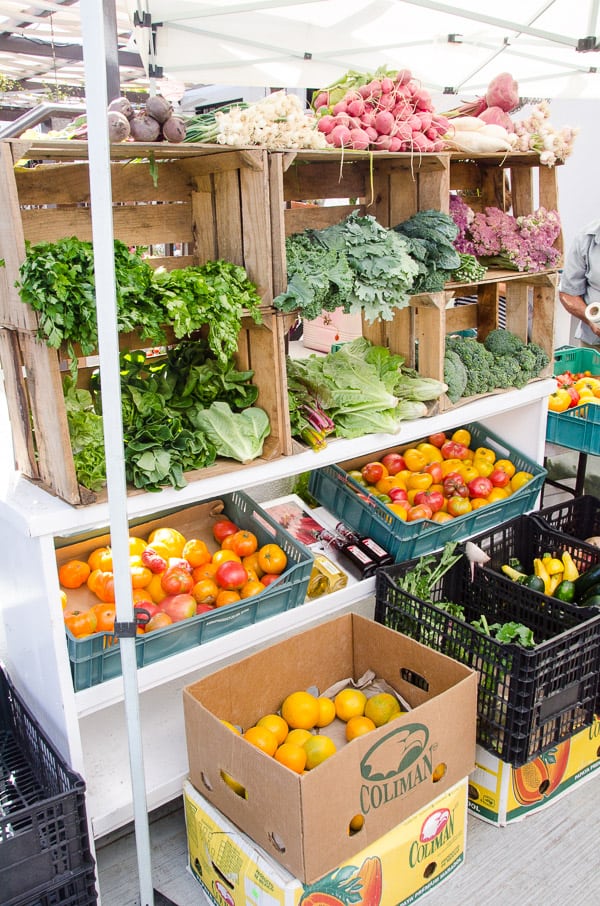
{"points": [[404, 865], [386, 775], [501, 794]]}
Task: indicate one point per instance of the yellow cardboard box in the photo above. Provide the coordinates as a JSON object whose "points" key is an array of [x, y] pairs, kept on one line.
{"points": [[396, 870], [501, 794]]}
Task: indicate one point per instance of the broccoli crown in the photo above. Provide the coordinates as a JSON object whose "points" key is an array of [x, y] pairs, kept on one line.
{"points": [[477, 361], [502, 342], [455, 375], [542, 358], [507, 372]]}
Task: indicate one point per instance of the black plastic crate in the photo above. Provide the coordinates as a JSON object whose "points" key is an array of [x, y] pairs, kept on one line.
{"points": [[526, 538], [44, 842], [77, 890], [579, 517], [528, 699]]}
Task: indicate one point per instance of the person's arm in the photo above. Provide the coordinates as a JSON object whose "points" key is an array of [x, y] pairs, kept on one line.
{"points": [[575, 306]]}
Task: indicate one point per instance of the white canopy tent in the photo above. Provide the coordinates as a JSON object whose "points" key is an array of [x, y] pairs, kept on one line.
{"points": [[550, 46]]}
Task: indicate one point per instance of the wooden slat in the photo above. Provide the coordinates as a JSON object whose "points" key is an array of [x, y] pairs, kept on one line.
{"points": [[138, 225], [322, 179], [430, 335], [297, 220], [228, 216], [434, 189], [49, 418], [521, 185], [12, 249], [70, 184], [256, 230], [517, 309], [17, 403], [278, 224]]}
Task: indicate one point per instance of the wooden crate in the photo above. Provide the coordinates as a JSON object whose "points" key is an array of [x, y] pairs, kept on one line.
{"points": [[419, 331], [200, 202]]}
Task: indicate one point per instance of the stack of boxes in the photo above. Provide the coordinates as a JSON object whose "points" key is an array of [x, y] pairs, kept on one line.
{"points": [[290, 834]]}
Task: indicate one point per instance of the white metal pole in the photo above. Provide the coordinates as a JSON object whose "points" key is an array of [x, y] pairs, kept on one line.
{"points": [[92, 23]]}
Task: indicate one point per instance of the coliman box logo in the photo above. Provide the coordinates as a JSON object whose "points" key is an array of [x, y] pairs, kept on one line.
{"points": [[395, 765]]}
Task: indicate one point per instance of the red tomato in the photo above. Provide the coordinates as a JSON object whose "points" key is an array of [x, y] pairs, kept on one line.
{"points": [[574, 394], [373, 472], [269, 577], [396, 494], [433, 499], [480, 487], [453, 449], [231, 575], [499, 478], [153, 561], [458, 506], [435, 470], [176, 581], [454, 485], [204, 608], [438, 440], [420, 511], [179, 607], [394, 463], [144, 611], [158, 621], [222, 528]]}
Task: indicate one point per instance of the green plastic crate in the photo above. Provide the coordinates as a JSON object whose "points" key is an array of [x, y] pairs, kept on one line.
{"points": [[346, 499], [97, 657], [575, 359], [576, 428]]}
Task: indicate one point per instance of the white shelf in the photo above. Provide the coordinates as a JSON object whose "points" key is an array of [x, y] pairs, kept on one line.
{"points": [[35, 512], [89, 726]]}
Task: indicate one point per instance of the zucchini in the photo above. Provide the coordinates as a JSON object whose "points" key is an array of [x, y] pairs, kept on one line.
{"points": [[590, 593], [586, 580], [592, 601]]}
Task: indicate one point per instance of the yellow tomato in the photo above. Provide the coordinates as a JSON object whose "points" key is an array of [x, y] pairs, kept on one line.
{"points": [[419, 481], [398, 510], [484, 466], [588, 383], [452, 465], [431, 452], [478, 502], [519, 479], [497, 494], [485, 453], [469, 473], [462, 436], [415, 460], [507, 466], [384, 484]]}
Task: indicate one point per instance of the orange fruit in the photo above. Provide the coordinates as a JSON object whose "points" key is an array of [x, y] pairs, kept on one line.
{"points": [[272, 558], [358, 726], [205, 591], [101, 558], [350, 703], [251, 588], [382, 707], [326, 711], [356, 823], [170, 538], [317, 749], [293, 757], [263, 738], [276, 724], [226, 596], [196, 552], [298, 736], [206, 571], [300, 710], [231, 727], [222, 555], [140, 576], [73, 573]]}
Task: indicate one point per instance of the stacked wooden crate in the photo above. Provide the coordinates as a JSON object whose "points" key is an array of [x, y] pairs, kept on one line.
{"points": [[206, 205]]}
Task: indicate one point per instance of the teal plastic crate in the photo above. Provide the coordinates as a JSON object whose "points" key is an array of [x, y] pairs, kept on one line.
{"points": [[347, 500], [97, 657], [575, 359], [576, 428]]}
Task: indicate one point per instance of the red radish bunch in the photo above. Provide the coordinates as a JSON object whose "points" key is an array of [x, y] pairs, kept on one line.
{"points": [[502, 95], [386, 114]]}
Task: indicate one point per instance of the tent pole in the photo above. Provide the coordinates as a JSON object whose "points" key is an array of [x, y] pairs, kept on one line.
{"points": [[94, 54]]}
